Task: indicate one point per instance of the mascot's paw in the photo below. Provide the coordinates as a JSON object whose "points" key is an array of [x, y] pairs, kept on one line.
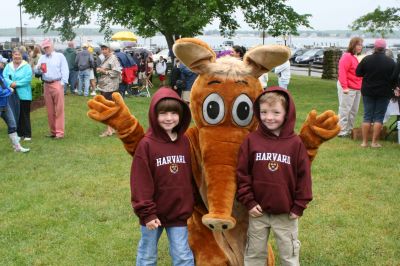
{"points": [[217, 222], [113, 113], [317, 129]]}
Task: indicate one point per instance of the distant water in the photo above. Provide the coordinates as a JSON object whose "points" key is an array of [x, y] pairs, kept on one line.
{"points": [[216, 41]]}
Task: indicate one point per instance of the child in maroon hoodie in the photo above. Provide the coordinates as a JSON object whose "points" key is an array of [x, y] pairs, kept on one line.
{"points": [[161, 180], [274, 180]]}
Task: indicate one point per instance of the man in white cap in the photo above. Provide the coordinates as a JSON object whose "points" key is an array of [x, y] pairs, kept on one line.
{"points": [[55, 74]]}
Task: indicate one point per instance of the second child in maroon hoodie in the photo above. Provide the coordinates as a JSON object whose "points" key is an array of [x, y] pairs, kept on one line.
{"points": [[161, 180], [274, 180]]}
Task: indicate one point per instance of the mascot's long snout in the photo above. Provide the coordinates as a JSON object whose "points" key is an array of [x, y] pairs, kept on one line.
{"points": [[219, 154]]}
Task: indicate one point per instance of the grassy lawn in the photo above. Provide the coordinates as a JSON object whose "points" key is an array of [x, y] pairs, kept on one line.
{"points": [[67, 202]]}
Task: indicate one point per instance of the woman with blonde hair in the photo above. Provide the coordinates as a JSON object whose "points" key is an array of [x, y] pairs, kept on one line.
{"points": [[18, 75], [349, 86]]}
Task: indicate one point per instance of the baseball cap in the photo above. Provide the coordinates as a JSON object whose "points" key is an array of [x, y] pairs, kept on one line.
{"points": [[380, 43], [46, 43], [105, 44], [115, 46]]}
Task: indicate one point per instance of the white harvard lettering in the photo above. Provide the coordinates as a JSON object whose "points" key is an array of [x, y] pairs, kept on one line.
{"points": [[170, 159], [275, 157]]}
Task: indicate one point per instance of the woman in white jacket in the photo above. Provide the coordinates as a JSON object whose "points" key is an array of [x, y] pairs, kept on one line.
{"points": [[283, 73], [161, 68]]}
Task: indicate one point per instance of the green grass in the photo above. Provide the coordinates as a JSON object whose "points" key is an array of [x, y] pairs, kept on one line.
{"points": [[67, 202]]}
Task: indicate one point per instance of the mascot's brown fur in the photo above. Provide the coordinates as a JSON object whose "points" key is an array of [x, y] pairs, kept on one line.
{"points": [[221, 101]]}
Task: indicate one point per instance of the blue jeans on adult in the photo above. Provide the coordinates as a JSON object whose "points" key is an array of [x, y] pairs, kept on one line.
{"points": [[375, 108], [73, 77], [8, 117], [84, 80], [122, 89], [179, 249], [13, 103]]}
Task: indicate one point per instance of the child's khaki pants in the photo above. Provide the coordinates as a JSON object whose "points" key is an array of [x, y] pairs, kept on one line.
{"points": [[285, 232]]}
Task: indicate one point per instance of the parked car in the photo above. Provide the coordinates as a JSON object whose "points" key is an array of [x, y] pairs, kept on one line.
{"points": [[309, 56], [164, 53], [319, 59], [296, 53]]}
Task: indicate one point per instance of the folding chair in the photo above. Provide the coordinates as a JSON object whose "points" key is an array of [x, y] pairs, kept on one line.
{"points": [[144, 90], [394, 109]]}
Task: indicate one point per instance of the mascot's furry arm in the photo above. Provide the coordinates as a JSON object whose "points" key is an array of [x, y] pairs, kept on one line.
{"points": [[318, 129], [116, 114]]}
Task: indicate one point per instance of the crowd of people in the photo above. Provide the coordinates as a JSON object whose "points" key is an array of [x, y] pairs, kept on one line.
{"points": [[375, 79], [77, 72]]}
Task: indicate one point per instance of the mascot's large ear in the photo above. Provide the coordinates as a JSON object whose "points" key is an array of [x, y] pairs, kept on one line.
{"points": [[264, 58], [194, 53]]}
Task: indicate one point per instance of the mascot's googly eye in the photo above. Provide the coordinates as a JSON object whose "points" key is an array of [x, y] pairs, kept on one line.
{"points": [[242, 110], [213, 109]]}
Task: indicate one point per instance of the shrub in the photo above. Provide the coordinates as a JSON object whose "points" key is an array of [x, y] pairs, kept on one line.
{"points": [[37, 88]]}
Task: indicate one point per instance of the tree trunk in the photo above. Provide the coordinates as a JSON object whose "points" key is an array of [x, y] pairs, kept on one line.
{"points": [[170, 42]]}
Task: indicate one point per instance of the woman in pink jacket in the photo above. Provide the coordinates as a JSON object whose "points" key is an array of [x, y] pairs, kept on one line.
{"points": [[349, 86]]}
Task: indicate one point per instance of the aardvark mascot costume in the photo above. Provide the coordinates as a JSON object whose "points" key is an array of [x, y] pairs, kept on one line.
{"points": [[221, 106]]}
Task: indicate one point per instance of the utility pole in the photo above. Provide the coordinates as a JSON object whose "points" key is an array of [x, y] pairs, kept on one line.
{"points": [[20, 20]]}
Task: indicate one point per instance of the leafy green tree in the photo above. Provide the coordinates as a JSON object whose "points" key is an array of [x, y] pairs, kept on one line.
{"points": [[379, 21], [172, 18], [273, 17]]}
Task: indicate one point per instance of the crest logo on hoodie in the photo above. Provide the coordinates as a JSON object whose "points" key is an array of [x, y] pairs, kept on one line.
{"points": [[173, 168], [273, 166]]}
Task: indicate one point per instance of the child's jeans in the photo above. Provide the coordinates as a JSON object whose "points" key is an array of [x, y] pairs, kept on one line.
{"points": [[285, 233], [179, 249]]}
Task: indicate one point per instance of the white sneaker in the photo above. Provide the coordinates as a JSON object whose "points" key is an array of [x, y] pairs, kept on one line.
{"points": [[19, 148], [93, 93], [27, 139]]}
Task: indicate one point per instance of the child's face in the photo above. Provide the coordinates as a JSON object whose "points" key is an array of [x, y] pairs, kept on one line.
{"points": [[272, 116], [168, 120]]}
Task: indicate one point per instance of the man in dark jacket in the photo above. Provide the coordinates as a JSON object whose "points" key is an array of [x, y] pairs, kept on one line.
{"points": [[376, 90], [70, 55], [85, 62]]}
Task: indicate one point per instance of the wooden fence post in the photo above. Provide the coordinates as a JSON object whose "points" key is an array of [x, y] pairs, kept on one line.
{"points": [[309, 69]]}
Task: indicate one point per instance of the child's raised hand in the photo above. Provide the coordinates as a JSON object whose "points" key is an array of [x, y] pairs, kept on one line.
{"points": [[153, 224], [293, 216], [256, 211]]}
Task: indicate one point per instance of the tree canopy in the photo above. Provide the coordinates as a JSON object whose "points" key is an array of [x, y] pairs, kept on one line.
{"points": [[273, 17], [172, 18], [378, 21]]}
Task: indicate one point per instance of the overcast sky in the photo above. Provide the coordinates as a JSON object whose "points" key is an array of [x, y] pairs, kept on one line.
{"points": [[326, 14]]}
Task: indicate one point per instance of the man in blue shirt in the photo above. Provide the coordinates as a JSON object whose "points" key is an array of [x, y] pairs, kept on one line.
{"points": [[55, 73]]}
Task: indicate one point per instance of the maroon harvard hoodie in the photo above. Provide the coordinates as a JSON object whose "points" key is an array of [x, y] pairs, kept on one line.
{"points": [[161, 177], [274, 171]]}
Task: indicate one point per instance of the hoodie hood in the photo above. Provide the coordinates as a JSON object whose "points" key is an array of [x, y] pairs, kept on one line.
{"points": [[287, 130], [157, 132]]}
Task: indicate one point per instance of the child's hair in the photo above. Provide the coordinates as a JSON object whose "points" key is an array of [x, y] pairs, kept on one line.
{"points": [[273, 98], [169, 105]]}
